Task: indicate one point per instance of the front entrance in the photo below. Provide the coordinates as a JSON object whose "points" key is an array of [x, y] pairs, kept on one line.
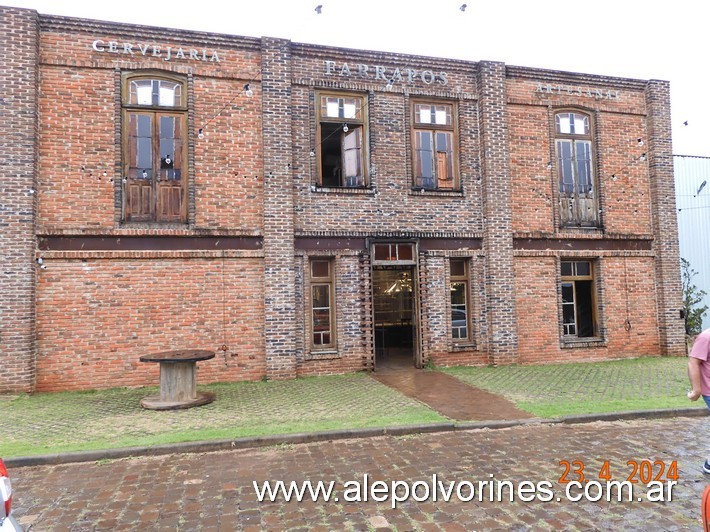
{"points": [[395, 317]]}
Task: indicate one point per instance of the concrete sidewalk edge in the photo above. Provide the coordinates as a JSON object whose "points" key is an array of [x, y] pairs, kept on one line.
{"points": [[312, 437]]}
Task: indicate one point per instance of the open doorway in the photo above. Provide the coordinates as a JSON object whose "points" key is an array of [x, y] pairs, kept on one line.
{"points": [[395, 319]]}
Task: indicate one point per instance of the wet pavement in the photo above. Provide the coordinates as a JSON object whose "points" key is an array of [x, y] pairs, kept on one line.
{"points": [[214, 491], [448, 395]]}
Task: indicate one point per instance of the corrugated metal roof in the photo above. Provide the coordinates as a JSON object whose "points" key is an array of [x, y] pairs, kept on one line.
{"points": [[692, 185]]}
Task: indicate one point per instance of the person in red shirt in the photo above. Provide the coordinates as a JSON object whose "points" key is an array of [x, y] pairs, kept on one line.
{"points": [[699, 374]]}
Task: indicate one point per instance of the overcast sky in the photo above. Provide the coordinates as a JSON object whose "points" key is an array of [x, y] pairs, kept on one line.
{"points": [[626, 38]]}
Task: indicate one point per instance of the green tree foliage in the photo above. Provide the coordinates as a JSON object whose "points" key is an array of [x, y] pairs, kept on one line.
{"points": [[691, 297]]}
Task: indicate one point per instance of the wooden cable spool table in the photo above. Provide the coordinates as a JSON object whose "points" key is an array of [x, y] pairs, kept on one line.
{"points": [[178, 387]]}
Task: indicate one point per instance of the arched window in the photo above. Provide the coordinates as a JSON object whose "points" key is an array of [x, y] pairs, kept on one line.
{"points": [[155, 149], [575, 169]]}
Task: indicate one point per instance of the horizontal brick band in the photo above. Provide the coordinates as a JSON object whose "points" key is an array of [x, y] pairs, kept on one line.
{"points": [[581, 245], [153, 243]]}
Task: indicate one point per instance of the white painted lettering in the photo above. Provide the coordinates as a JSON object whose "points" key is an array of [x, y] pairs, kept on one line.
{"points": [[362, 70], [380, 72], [427, 74], [169, 53]]}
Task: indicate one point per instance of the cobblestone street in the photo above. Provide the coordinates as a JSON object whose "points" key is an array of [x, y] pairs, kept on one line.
{"points": [[214, 491]]}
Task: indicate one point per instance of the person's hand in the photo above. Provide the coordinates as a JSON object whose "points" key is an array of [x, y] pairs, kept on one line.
{"points": [[693, 395]]}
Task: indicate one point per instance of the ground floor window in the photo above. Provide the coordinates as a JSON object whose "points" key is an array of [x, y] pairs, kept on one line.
{"points": [[322, 303], [460, 308], [578, 299]]}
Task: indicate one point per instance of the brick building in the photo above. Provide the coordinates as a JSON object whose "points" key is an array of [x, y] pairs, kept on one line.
{"points": [[304, 210]]}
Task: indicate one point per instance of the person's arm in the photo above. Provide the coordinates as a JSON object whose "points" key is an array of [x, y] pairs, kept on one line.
{"points": [[694, 376]]}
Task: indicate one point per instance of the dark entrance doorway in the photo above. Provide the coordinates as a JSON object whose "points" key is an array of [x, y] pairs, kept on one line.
{"points": [[393, 300]]}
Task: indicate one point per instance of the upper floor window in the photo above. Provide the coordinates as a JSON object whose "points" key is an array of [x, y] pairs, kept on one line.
{"points": [[155, 149], [155, 93], [573, 143], [341, 140], [434, 145]]}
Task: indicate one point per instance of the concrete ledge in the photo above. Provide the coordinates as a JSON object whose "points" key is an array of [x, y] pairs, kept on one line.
{"points": [[222, 445], [501, 424], [637, 414], [330, 435]]}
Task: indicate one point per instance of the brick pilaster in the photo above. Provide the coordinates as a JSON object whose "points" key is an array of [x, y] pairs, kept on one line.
{"points": [[279, 260], [665, 228], [497, 214], [19, 43]]}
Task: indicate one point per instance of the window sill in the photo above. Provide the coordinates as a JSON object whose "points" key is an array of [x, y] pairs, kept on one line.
{"points": [[433, 192], [579, 343], [581, 228], [343, 190], [323, 355], [142, 224], [463, 346]]}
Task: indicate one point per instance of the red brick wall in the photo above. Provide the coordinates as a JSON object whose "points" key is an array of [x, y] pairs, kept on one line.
{"points": [[626, 208], [228, 161], [351, 321], [617, 125], [98, 312], [537, 311], [96, 317], [631, 294], [252, 176], [18, 145], [80, 105], [394, 207], [77, 149], [625, 290], [531, 182]]}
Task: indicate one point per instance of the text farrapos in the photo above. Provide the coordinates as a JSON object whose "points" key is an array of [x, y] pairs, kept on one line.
{"points": [[166, 54], [396, 75]]}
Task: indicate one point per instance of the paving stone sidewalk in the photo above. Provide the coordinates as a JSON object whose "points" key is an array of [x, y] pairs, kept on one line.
{"points": [[214, 491], [57, 423]]}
